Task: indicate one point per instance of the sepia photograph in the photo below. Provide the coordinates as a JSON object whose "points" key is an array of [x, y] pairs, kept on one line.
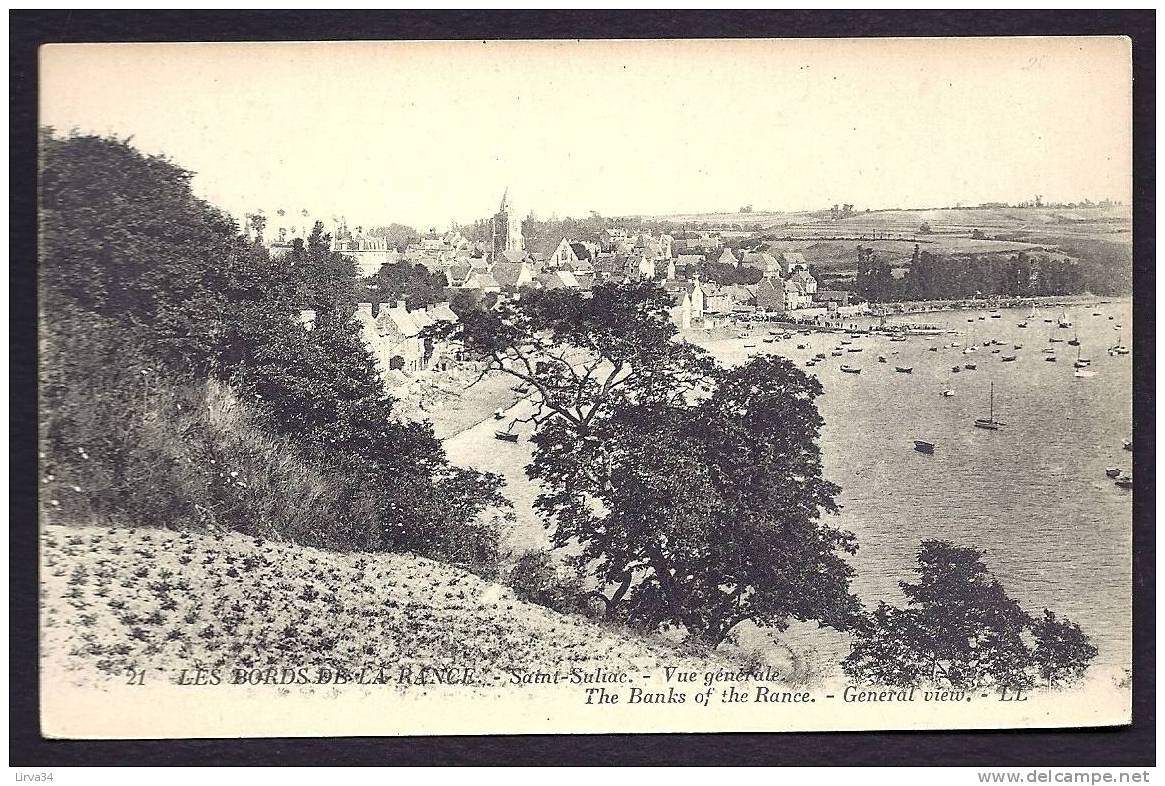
{"points": [[456, 387]]}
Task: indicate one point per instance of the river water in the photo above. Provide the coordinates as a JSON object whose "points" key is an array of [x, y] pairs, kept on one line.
{"points": [[1033, 495]]}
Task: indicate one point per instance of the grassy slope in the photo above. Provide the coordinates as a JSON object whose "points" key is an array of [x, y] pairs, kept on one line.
{"points": [[113, 599]]}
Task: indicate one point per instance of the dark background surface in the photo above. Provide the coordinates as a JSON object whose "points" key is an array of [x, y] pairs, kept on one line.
{"points": [[1128, 746]]}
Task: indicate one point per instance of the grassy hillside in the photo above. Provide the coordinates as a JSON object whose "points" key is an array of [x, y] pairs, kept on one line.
{"points": [[113, 599]]}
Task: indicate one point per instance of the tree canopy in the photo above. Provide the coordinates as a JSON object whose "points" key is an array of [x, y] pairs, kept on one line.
{"points": [[126, 245], [692, 493], [960, 628]]}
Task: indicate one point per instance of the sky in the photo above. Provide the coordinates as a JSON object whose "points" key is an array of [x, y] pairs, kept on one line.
{"points": [[426, 133]]}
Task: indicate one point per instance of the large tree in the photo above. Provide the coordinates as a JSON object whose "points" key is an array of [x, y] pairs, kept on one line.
{"points": [[961, 629], [692, 493], [126, 247]]}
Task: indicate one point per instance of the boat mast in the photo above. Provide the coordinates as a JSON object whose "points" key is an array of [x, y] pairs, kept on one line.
{"points": [[991, 404]]}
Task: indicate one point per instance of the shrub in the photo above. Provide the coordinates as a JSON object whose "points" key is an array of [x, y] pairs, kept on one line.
{"points": [[537, 578]]}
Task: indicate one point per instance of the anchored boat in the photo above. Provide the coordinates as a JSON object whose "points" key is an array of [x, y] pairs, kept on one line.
{"points": [[989, 422]]}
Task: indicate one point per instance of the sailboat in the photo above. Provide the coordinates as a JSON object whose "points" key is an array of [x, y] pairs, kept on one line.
{"points": [[1075, 341], [989, 422], [1035, 313], [1064, 321], [1081, 362]]}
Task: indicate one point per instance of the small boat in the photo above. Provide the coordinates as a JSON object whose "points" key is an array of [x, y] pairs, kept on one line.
{"points": [[881, 358], [987, 343], [837, 353], [1022, 325], [904, 369], [970, 366], [897, 338], [1018, 346], [1127, 444], [846, 342], [1097, 314], [506, 436], [499, 414], [948, 393], [996, 315], [768, 340], [1049, 350], [1034, 313], [819, 356], [851, 370], [1112, 472], [922, 446], [970, 319], [749, 344], [989, 422], [854, 349], [1050, 359], [1008, 358], [996, 351], [982, 316], [956, 369], [1124, 481], [968, 350], [810, 363], [1054, 340], [1110, 317], [932, 349], [1083, 373], [800, 346]]}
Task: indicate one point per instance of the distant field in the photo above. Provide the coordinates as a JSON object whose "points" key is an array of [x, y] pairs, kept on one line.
{"points": [[1113, 220]]}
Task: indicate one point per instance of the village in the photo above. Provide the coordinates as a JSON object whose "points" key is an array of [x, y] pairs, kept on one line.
{"points": [[504, 266]]}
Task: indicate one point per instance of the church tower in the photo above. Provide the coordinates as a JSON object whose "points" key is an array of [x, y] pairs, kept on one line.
{"points": [[507, 227]]}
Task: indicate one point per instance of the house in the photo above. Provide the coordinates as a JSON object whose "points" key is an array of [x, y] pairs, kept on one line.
{"points": [[457, 273], [558, 279], [646, 267], [392, 336], [807, 282], [563, 255], [794, 261], [611, 236], [610, 267], [727, 258], [511, 276], [795, 295], [585, 251], [512, 255], [770, 295], [769, 264], [839, 297], [483, 281]]}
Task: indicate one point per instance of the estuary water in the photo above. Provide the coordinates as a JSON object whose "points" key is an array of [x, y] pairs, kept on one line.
{"points": [[1033, 494]]}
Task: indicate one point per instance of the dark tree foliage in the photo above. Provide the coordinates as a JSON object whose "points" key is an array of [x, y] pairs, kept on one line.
{"points": [[126, 245], [960, 628], [692, 493], [726, 274], [398, 236], [414, 284]]}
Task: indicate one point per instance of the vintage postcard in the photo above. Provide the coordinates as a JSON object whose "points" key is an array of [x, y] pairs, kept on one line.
{"points": [[508, 387]]}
